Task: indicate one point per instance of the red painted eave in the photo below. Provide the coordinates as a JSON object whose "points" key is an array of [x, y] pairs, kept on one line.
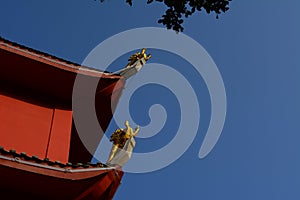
{"points": [[25, 177], [45, 75]]}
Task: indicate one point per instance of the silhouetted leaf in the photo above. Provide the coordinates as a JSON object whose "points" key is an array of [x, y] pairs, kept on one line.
{"points": [[176, 9]]}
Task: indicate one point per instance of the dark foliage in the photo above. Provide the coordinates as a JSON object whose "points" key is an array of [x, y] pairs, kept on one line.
{"points": [[179, 9]]}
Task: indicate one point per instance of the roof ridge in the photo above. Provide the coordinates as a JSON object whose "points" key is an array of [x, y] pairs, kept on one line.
{"points": [[19, 157], [55, 58]]}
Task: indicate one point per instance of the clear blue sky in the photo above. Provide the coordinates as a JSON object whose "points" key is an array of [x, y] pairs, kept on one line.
{"points": [[256, 48]]}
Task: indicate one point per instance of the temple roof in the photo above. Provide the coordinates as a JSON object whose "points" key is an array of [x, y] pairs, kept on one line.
{"points": [[40, 79], [22, 157], [28, 177], [36, 96], [21, 47], [44, 74]]}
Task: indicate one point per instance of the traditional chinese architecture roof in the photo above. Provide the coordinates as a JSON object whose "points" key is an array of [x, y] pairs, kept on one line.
{"points": [[47, 81], [30, 177], [20, 157], [36, 117], [9, 43], [55, 75]]}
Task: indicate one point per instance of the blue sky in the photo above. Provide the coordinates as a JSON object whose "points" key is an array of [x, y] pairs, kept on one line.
{"points": [[256, 48]]}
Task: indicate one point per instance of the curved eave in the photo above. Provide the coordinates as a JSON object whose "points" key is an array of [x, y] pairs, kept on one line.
{"points": [[51, 60], [43, 169], [31, 180], [44, 76]]}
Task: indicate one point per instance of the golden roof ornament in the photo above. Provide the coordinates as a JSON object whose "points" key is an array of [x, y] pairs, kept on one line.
{"points": [[123, 144], [135, 64], [137, 56]]}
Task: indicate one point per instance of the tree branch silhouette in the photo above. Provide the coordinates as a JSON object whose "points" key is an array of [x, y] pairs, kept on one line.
{"points": [[178, 10]]}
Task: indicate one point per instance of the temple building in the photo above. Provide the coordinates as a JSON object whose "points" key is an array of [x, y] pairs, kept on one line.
{"points": [[41, 154]]}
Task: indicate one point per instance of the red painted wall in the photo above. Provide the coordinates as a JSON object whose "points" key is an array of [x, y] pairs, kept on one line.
{"points": [[36, 130]]}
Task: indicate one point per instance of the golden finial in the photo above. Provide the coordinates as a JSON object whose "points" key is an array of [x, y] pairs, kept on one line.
{"points": [[137, 56], [120, 137]]}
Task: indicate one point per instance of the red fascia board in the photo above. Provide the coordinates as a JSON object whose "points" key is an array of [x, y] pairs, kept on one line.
{"points": [[43, 75], [56, 62]]}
